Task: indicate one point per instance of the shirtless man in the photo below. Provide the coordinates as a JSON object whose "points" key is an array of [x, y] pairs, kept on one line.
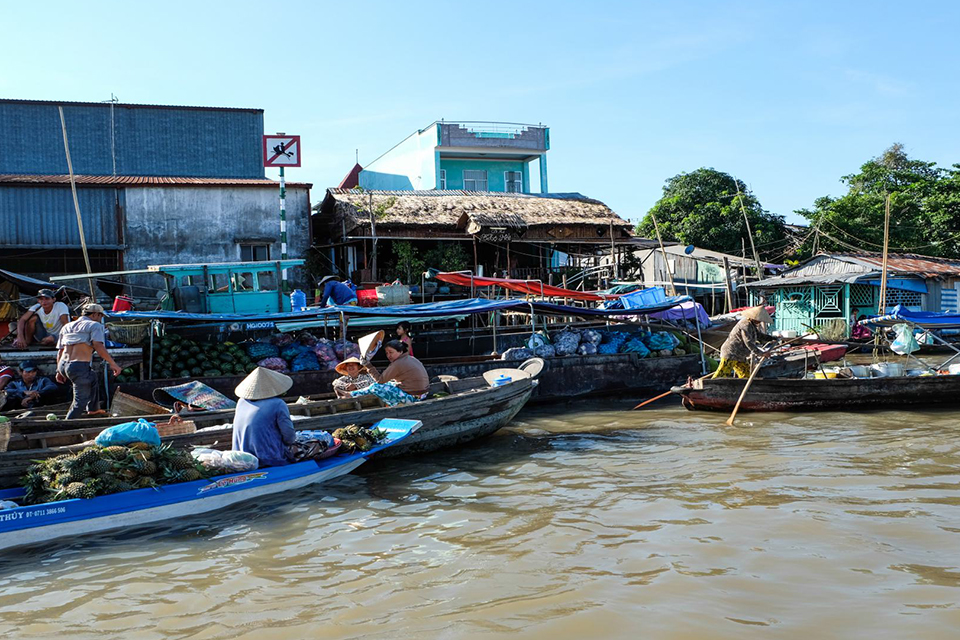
{"points": [[77, 343]]}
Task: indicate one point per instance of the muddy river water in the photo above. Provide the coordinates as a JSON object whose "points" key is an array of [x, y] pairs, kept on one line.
{"points": [[577, 521]]}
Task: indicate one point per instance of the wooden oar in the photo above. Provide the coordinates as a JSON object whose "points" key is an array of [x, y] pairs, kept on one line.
{"points": [[743, 393], [664, 395], [753, 374]]}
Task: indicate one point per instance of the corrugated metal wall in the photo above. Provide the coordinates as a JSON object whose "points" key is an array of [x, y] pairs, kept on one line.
{"points": [[44, 217], [148, 141]]}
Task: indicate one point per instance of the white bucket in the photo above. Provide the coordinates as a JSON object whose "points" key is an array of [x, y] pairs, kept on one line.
{"points": [[859, 370], [888, 369], [954, 369]]}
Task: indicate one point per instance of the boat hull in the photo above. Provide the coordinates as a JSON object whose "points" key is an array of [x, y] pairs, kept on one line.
{"points": [[813, 394], [447, 421], [70, 518]]}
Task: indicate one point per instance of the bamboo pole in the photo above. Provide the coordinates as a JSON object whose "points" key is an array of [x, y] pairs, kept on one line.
{"points": [[76, 205], [663, 252], [746, 221]]}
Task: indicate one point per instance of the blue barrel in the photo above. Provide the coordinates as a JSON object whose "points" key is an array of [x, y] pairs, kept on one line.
{"points": [[502, 380], [298, 300]]}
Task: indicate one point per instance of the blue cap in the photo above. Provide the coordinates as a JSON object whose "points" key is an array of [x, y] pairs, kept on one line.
{"points": [[27, 365]]}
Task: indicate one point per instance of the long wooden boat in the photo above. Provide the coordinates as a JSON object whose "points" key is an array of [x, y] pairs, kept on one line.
{"points": [[27, 525], [472, 410], [812, 394]]}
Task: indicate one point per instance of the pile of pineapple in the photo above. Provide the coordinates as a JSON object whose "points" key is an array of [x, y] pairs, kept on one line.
{"points": [[97, 471]]}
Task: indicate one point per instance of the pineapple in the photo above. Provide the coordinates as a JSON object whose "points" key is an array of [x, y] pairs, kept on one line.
{"points": [[115, 452], [144, 467], [75, 490], [142, 446], [101, 467], [187, 475], [88, 456], [129, 475]]}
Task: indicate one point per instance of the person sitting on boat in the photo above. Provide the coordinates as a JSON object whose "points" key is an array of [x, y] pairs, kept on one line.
{"points": [[405, 380], [859, 332], [262, 425], [42, 322], [31, 389], [335, 293], [403, 334], [353, 376], [743, 343], [7, 374]]}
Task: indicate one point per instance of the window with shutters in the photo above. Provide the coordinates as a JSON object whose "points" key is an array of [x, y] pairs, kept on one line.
{"points": [[474, 180], [443, 179], [514, 181], [254, 252]]}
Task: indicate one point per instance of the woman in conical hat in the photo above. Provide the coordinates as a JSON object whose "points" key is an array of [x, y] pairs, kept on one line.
{"points": [[353, 376], [262, 425], [743, 343]]}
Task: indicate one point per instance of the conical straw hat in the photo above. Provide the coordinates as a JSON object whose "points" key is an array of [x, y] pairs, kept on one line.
{"points": [[262, 384], [339, 368], [370, 344], [757, 313]]}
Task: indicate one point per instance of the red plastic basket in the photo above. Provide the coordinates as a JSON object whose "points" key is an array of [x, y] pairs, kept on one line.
{"points": [[367, 297]]}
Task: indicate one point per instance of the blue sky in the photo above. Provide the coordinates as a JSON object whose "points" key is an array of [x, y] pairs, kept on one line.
{"points": [[787, 96]]}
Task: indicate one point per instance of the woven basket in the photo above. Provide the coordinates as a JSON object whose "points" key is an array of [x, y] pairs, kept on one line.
{"points": [[129, 333]]}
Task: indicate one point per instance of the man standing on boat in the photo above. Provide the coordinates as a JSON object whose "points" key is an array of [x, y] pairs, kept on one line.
{"points": [[743, 343], [77, 342]]}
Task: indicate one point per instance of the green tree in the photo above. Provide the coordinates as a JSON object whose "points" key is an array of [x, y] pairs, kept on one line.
{"points": [[924, 208], [703, 208]]}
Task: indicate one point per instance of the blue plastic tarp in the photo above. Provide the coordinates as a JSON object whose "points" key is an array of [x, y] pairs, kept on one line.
{"points": [[924, 319], [906, 284], [432, 310]]}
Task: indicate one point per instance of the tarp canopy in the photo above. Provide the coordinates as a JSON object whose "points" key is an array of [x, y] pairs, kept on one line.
{"points": [[527, 287], [684, 311], [421, 312], [925, 319]]}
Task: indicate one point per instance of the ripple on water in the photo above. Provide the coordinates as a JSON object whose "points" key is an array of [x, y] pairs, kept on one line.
{"points": [[577, 521]]}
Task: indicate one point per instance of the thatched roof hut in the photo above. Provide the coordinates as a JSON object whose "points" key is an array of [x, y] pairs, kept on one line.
{"points": [[554, 217]]}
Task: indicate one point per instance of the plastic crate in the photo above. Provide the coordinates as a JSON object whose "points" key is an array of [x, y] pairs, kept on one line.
{"points": [[644, 298], [367, 297]]}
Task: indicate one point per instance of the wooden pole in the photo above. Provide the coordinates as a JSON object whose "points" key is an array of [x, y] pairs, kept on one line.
{"points": [[729, 285], [746, 221], [476, 262], [76, 205], [663, 252], [614, 267], [886, 247], [373, 234]]}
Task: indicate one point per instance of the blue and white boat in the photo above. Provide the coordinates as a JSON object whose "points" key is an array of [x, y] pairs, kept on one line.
{"points": [[29, 525]]}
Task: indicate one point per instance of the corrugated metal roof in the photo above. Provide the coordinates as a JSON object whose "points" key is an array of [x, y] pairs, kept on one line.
{"points": [[899, 263], [906, 263], [852, 267], [124, 104], [120, 181]]}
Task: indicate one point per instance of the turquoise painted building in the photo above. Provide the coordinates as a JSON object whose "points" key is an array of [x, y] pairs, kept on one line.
{"points": [[465, 156]]}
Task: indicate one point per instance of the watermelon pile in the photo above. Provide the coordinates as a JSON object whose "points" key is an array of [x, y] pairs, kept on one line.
{"points": [[178, 357]]}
